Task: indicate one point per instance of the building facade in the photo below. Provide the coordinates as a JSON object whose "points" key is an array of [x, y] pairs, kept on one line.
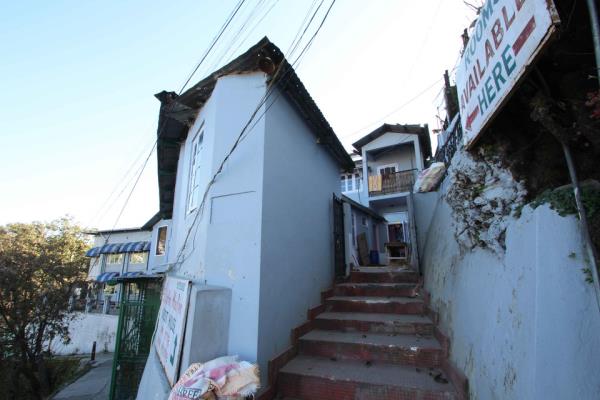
{"points": [[244, 231], [387, 163]]}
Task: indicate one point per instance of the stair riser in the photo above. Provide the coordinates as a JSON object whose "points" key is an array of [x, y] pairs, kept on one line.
{"points": [[384, 277], [376, 307], [419, 357], [375, 291], [375, 327], [321, 388]]}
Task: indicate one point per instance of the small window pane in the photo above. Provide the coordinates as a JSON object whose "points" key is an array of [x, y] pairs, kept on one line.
{"points": [[114, 259], [161, 243], [357, 180], [343, 183], [138, 258], [349, 182]]}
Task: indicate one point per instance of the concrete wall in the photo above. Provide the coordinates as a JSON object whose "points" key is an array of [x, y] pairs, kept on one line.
{"points": [[425, 205], [523, 325], [403, 158], [84, 330], [223, 248], [300, 177]]}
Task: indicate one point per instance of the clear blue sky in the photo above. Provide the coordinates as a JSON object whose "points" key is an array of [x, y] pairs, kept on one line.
{"points": [[78, 77]]}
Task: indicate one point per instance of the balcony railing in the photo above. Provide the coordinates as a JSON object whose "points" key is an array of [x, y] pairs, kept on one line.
{"points": [[395, 182]]}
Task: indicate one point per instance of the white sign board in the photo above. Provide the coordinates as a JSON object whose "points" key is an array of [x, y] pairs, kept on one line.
{"points": [[507, 36], [170, 328]]}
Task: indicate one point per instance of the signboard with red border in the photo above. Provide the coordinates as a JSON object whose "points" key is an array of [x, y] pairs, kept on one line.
{"points": [[506, 38]]}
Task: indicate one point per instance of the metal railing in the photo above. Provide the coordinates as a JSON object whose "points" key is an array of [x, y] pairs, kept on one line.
{"points": [[395, 182], [453, 142]]}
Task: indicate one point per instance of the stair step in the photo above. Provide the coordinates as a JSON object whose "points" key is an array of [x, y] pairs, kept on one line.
{"points": [[371, 304], [412, 350], [373, 322], [315, 378], [380, 275], [375, 289]]}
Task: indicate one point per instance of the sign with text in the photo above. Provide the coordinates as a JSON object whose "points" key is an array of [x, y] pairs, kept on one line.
{"points": [[507, 36], [170, 328]]}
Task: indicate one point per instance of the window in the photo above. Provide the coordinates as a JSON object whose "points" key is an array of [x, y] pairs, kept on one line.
{"points": [[161, 241], [138, 258], [350, 182], [364, 221], [194, 177], [387, 169], [114, 259]]}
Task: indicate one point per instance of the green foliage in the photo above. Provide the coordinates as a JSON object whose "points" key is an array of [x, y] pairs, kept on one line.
{"points": [[588, 275], [40, 266], [563, 201]]}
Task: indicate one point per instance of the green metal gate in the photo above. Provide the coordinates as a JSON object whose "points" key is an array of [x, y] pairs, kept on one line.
{"points": [[140, 301]]}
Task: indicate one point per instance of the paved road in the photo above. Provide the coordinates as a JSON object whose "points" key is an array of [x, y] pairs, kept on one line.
{"points": [[94, 385]]}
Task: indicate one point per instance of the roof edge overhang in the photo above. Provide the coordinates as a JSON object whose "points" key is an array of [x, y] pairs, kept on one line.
{"points": [[178, 113], [422, 131]]}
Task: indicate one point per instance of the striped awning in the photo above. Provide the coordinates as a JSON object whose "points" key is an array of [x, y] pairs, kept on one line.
{"points": [[135, 247], [132, 274], [93, 252], [113, 248], [106, 276]]}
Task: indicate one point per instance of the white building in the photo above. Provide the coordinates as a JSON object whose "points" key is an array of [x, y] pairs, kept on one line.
{"points": [[252, 234], [387, 163], [116, 253]]}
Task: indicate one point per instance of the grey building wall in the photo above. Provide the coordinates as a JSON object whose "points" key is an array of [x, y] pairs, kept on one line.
{"points": [[297, 227], [524, 324]]}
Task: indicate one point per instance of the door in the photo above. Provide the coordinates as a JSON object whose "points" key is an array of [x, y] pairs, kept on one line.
{"points": [[338, 237], [140, 301]]}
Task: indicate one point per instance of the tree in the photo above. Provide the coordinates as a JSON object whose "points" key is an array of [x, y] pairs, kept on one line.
{"points": [[40, 266]]}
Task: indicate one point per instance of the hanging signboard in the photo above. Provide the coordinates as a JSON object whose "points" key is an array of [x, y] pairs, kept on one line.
{"points": [[170, 328], [506, 38]]}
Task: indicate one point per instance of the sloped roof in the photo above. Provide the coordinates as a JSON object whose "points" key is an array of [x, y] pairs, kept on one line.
{"points": [[177, 113], [412, 129], [366, 210]]}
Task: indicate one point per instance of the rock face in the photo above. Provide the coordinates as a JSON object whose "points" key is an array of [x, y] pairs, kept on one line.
{"points": [[482, 195]]}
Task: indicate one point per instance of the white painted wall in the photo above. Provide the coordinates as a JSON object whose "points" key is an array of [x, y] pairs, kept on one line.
{"points": [[403, 158], [300, 177], [523, 325], [84, 330], [223, 248], [266, 227]]}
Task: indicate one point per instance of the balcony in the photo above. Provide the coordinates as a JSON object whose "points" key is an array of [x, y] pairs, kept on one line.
{"points": [[394, 182]]}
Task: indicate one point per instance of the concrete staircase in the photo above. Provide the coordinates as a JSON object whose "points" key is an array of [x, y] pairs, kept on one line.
{"points": [[374, 340]]}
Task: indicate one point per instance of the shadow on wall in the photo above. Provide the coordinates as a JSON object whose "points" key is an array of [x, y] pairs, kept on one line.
{"points": [[523, 321]]}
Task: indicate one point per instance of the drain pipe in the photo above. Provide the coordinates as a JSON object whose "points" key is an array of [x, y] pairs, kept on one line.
{"points": [[591, 4], [541, 113], [595, 33], [584, 222]]}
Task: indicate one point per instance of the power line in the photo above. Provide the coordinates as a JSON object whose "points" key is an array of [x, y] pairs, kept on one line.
{"points": [[241, 135], [161, 128], [421, 93]]}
